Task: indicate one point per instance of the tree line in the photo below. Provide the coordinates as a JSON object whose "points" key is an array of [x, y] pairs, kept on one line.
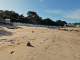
{"points": [[76, 23], [32, 18]]}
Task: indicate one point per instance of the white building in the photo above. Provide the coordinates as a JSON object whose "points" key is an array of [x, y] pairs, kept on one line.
{"points": [[70, 25], [7, 21]]}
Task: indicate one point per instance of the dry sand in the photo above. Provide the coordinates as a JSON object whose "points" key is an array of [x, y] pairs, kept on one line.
{"points": [[48, 44]]}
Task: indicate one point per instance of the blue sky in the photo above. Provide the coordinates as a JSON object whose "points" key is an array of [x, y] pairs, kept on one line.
{"points": [[65, 10]]}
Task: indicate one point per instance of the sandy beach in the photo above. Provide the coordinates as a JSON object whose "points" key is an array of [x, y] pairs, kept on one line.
{"points": [[47, 43]]}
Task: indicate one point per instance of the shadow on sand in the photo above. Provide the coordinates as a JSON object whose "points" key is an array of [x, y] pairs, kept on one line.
{"points": [[4, 32], [10, 26]]}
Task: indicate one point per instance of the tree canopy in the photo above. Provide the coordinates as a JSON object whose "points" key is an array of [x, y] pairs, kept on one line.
{"points": [[32, 18]]}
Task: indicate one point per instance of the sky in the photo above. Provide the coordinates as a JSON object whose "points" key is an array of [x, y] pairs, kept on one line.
{"points": [[65, 10]]}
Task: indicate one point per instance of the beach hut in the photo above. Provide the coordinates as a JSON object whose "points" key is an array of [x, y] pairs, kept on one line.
{"points": [[7, 21]]}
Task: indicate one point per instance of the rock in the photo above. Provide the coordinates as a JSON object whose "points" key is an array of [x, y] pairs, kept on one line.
{"points": [[29, 44], [32, 31], [12, 52]]}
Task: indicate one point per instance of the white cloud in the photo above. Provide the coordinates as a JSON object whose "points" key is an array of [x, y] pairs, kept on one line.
{"points": [[41, 0], [66, 14], [54, 11]]}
